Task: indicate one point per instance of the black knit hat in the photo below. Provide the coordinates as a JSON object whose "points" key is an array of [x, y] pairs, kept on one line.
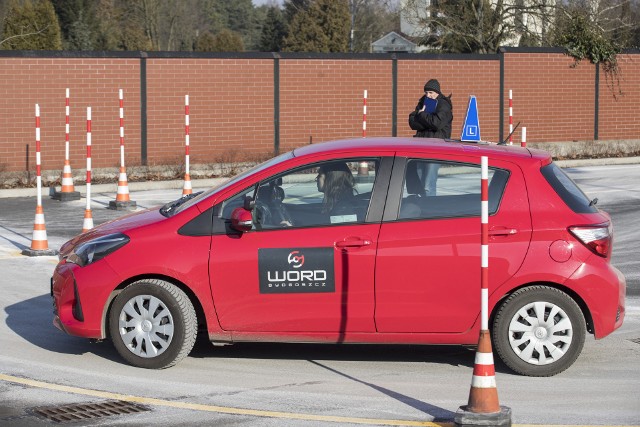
{"points": [[432, 85]]}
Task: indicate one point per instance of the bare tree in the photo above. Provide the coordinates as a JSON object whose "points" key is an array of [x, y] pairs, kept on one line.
{"points": [[480, 26]]}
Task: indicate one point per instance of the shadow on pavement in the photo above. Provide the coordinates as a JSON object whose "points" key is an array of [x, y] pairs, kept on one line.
{"points": [[439, 414], [13, 242], [32, 320]]}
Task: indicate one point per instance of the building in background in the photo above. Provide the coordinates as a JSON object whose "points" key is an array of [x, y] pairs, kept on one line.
{"points": [[393, 42]]}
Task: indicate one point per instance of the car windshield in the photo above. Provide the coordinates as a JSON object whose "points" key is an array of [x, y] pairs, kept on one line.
{"points": [[184, 203]]}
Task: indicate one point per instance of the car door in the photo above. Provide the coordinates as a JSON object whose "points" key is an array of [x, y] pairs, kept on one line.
{"points": [[300, 269], [428, 262]]}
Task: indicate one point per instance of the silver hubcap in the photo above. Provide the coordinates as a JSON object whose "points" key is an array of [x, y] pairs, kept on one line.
{"points": [[540, 333], [146, 326]]}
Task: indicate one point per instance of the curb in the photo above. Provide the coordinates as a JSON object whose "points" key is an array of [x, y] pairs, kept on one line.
{"points": [[112, 188]]}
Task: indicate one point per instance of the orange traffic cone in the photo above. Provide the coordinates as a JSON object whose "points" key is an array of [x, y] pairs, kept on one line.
{"points": [[483, 407], [483, 396], [187, 185], [123, 187], [87, 224], [39, 242], [67, 179], [123, 201], [67, 191]]}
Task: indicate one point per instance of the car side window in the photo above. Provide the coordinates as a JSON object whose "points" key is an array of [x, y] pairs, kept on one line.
{"points": [[442, 190], [324, 193], [327, 193], [228, 206]]}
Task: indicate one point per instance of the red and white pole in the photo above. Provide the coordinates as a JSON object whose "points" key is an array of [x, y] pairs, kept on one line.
{"points": [[67, 177], [483, 397], [39, 241], [510, 117], [364, 115], [88, 217], [524, 137], [363, 167], [38, 169], [484, 241], [123, 186], [187, 179]]}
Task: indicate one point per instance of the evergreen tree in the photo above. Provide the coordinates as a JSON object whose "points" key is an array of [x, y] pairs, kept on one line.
{"points": [[293, 7], [323, 28], [274, 31], [80, 35], [31, 26], [78, 23], [227, 41], [238, 16]]}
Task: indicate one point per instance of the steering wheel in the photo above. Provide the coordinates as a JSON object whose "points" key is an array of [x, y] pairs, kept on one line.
{"points": [[263, 214]]}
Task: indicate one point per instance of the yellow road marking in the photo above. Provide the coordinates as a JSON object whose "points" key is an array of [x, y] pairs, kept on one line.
{"points": [[239, 411], [214, 408]]}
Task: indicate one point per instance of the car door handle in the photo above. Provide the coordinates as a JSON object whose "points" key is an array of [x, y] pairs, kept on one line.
{"points": [[502, 231], [353, 243]]}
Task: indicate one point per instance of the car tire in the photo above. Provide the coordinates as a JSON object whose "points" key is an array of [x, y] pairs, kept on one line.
{"points": [[152, 324], [539, 331]]}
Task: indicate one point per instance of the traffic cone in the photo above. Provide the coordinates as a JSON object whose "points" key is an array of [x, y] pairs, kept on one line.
{"points": [[67, 178], [39, 242], [186, 190], [123, 187], [123, 201], [87, 224], [483, 407], [67, 191], [483, 396]]}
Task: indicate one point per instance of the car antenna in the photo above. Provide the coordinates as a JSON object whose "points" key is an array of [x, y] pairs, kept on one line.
{"points": [[509, 136]]}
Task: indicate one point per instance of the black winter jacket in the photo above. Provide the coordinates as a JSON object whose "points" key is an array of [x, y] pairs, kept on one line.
{"points": [[433, 125]]}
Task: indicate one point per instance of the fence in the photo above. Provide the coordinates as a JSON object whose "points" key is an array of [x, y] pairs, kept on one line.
{"points": [[245, 105]]}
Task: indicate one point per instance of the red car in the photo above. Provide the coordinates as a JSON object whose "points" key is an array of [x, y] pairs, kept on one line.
{"points": [[371, 240]]}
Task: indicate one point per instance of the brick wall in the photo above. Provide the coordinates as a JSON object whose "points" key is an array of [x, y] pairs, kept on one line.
{"points": [[232, 113], [552, 99], [619, 101]]}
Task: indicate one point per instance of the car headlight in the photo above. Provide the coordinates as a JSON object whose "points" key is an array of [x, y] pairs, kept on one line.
{"points": [[93, 250]]}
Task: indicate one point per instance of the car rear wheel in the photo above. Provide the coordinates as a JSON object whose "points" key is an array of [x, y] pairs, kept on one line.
{"points": [[153, 324], [539, 331]]}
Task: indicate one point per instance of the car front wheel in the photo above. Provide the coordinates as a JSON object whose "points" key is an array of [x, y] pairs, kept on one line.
{"points": [[539, 331], [152, 324]]}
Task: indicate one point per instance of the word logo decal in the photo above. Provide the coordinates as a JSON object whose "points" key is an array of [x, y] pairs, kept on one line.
{"points": [[302, 270], [296, 260]]}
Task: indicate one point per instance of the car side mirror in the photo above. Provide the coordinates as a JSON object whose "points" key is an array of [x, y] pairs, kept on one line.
{"points": [[241, 220]]}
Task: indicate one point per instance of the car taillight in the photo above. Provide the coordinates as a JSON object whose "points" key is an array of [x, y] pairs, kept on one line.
{"points": [[595, 237]]}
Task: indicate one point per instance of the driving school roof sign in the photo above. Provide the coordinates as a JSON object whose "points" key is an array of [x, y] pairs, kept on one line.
{"points": [[471, 126]]}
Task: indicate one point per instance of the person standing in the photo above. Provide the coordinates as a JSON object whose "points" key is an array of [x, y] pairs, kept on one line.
{"points": [[433, 115], [431, 118]]}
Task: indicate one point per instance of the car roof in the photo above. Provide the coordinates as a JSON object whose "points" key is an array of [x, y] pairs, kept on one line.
{"points": [[433, 145]]}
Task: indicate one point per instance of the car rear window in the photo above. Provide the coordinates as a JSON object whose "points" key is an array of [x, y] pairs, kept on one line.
{"points": [[567, 189]]}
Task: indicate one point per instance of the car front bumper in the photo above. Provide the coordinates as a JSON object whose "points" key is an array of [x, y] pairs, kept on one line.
{"points": [[81, 296]]}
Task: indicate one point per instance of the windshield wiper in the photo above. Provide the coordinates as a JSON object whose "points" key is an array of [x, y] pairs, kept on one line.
{"points": [[169, 207]]}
